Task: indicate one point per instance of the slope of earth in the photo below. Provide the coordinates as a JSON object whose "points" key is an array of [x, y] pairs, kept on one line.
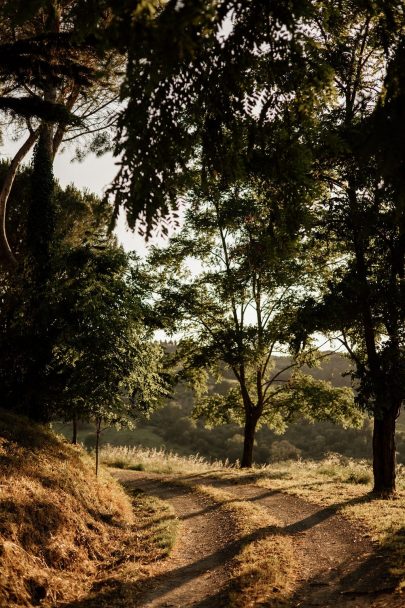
{"points": [[63, 532], [333, 561]]}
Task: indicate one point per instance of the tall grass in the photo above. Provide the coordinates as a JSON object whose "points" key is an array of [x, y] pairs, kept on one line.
{"points": [[337, 468], [156, 460], [334, 467]]}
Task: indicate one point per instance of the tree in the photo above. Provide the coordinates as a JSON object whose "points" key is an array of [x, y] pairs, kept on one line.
{"points": [[108, 368], [362, 221], [236, 312], [74, 342], [57, 80], [205, 96], [226, 61]]}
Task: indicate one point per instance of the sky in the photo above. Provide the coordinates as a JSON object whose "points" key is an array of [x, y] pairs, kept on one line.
{"points": [[94, 174]]}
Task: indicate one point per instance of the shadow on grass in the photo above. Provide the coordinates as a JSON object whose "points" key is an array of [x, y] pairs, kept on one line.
{"points": [[352, 577]]}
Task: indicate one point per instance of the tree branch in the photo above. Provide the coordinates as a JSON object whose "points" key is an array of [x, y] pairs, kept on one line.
{"points": [[5, 250]]}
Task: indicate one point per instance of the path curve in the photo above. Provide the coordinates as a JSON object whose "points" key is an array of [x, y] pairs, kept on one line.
{"points": [[337, 566], [198, 568]]}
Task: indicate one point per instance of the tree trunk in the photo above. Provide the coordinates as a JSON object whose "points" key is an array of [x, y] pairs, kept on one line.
{"points": [[6, 254], [249, 439], [74, 429], [384, 452], [98, 432]]}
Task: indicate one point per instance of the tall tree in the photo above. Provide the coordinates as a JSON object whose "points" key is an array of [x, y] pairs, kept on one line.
{"points": [[57, 79], [73, 338], [362, 221], [200, 85], [236, 311]]}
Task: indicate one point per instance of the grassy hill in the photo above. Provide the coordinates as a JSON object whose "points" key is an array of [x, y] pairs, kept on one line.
{"points": [[62, 530]]}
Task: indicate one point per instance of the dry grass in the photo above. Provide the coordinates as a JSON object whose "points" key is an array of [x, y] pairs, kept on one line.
{"points": [[262, 571], [154, 460], [153, 536], [61, 528]]}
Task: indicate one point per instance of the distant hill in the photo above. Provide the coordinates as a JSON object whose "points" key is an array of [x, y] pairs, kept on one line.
{"points": [[173, 428], [334, 367]]}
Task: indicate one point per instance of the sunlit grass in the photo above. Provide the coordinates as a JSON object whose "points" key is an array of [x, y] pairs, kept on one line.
{"points": [[159, 529], [66, 534], [344, 484], [157, 460]]}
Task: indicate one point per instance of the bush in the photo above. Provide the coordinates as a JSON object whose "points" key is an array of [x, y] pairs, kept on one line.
{"points": [[283, 450]]}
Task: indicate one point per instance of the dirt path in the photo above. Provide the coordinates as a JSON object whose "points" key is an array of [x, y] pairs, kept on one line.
{"points": [[198, 568], [336, 564]]}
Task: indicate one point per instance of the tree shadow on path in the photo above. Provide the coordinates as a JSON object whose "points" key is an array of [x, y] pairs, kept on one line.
{"points": [[358, 577]]}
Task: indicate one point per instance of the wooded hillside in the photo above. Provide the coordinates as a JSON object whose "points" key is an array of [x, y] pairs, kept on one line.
{"points": [[172, 427]]}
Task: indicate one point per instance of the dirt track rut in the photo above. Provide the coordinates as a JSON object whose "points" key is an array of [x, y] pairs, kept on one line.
{"points": [[337, 566], [198, 568], [336, 563]]}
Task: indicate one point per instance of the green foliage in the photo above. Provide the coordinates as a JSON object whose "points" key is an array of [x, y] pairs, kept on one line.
{"points": [[302, 397], [41, 215], [109, 368], [214, 99], [172, 427], [38, 55], [312, 399], [361, 217], [73, 338], [220, 409], [237, 311]]}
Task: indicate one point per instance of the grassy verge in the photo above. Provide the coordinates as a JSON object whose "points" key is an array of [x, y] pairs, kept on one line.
{"points": [[140, 559], [262, 570], [156, 527], [64, 532], [154, 460]]}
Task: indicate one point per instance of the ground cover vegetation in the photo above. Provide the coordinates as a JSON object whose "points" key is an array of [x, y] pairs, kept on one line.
{"points": [[340, 483], [262, 569], [64, 533]]}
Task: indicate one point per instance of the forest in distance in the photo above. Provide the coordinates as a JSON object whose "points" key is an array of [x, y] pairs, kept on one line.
{"points": [[172, 428]]}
